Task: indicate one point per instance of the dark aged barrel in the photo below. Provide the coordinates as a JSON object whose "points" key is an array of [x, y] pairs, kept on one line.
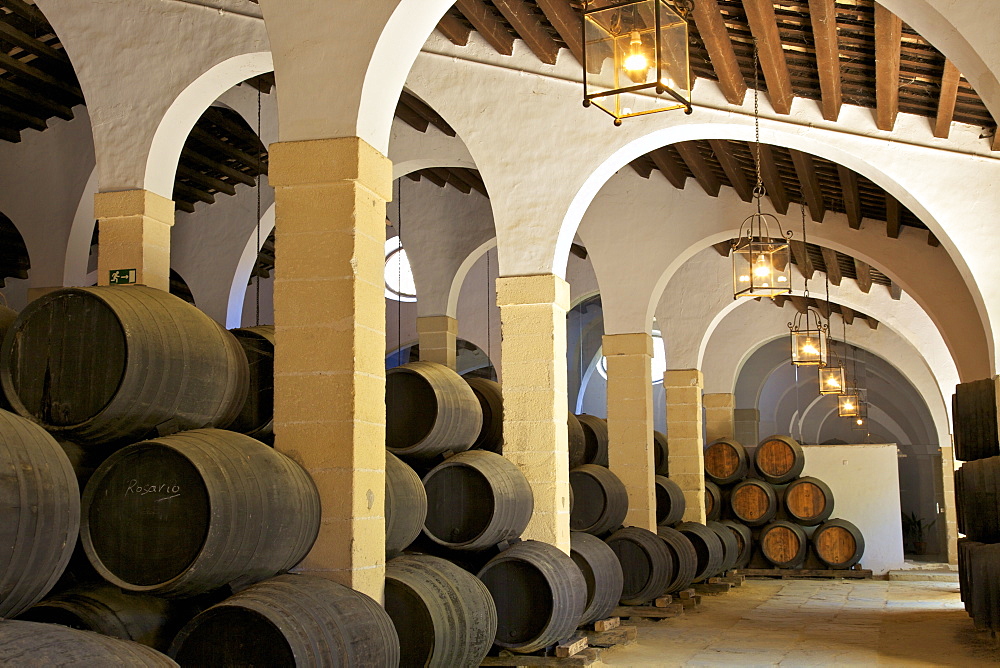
{"points": [[730, 546], [7, 318], [753, 502], [39, 513], [683, 556], [490, 399], [405, 505], [670, 503], [290, 620], [256, 416], [661, 454], [539, 594], [838, 543], [779, 459], [601, 570], [713, 501], [577, 442], [708, 547], [976, 489], [35, 644], [429, 410], [744, 540], [476, 499], [80, 362], [444, 616], [808, 501], [783, 544], [726, 461], [600, 500], [187, 513], [595, 434], [646, 564]]}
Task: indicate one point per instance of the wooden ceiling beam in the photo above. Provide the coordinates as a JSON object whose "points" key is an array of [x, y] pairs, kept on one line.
{"points": [[800, 303], [25, 11], [723, 248], [893, 216], [823, 17], [712, 29], [456, 31], [9, 33], [802, 259], [864, 273], [410, 117], [832, 266], [190, 193], [947, 99], [452, 180], [805, 170], [851, 197], [470, 177], [34, 99], [522, 19], [196, 157], [208, 139], [668, 166], [703, 174], [428, 113], [184, 205], [487, 25], [566, 21], [888, 37], [433, 178], [21, 118], [21, 68], [895, 292], [731, 166], [643, 168], [779, 300], [847, 314], [771, 177], [764, 26], [932, 240], [237, 131], [872, 322], [10, 134], [205, 180], [823, 307]]}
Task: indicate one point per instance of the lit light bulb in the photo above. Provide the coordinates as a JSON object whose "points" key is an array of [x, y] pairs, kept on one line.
{"points": [[860, 422], [832, 381], [764, 285], [761, 270], [744, 279], [809, 348], [636, 61], [782, 279], [848, 406]]}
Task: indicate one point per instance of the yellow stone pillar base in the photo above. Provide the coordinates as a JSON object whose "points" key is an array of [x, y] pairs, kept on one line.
{"points": [[437, 335], [719, 417], [533, 323], [684, 429], [948, 505], [630, 422], [329, 365], [134, 235]]}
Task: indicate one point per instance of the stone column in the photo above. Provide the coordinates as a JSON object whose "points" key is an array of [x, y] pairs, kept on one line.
{"points": [[630, 422], [134, 235], [719, 418], [684, 429], [437, 335], [533, 324], [948, 503], [747, 426], [329, 365]]}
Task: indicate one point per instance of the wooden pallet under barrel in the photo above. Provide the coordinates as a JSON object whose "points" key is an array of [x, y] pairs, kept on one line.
{"points": [[792, 573], [581, 650]]}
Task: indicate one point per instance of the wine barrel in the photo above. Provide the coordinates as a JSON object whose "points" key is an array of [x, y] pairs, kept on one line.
{"points": [[726, 461], [974, 414], [405, 505], [601, 570], [290, 620], [444, 616], [490, 399], [661, 454], [744, 541], [730, 546], [104, 609], [476, 499], [430, 410], [646, 562], [256, 416], [713, 501], [24, 643], [838, 543], [670, 503], [539, 594], [779, 459], [753, 502], [708, 547], [783, 544], [808, 501], [977, 484], [39, 513], [183, 514], [577, 442], [683, 556], [600, 500], [80, 363], [7, 318], [595, 434]]}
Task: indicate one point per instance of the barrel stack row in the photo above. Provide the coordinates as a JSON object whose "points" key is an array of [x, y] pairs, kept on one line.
{"points": [[779, 517], [977, 483], [185, 527]]}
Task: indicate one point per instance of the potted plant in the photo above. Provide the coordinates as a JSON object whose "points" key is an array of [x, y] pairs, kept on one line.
{"points": [[915, 530]]}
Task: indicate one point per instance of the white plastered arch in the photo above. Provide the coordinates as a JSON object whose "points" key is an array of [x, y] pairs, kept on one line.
{"points": [[241, 278]]}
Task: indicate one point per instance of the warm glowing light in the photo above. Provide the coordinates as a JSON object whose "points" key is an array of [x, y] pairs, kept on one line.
{"points": [[833, 382], [860, 422], [761, 270], [636, 60], [782, 279], [848, 406], [744, 279], [809, 348]]}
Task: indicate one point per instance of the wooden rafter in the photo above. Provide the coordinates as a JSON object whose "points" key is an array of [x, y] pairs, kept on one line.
{"points": [[872, 322], [851, 197], [893, 215], [205, 180], [723, 248], [22, 40], [487, 24], [203, 160], [521, 18], [695, 161], [764, 26], [668, 166], [847, 314], [809, 184], [771, 177], [28, 98], [895, 291], [800, 303], [823, 17], [932, 240], [802, 259], [864, 275], [947, 99], [713, 32], [888, 36], [832, 266], [731, 166], [456, 31], [566, 21]]}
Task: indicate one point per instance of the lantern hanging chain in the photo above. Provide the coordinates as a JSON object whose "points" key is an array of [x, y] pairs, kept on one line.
{"points": [[489, 309], [758, 190], [399, 270], [260, 151], [805, 250]]}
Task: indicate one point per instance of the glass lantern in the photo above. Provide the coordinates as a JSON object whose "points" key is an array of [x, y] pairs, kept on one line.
{"points": [[832, 379], [632, 46], [809, 340], [761, 264], [848, 405]]}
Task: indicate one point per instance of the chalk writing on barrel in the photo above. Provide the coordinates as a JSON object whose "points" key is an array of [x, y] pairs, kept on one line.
{"points": [[135, 488]]}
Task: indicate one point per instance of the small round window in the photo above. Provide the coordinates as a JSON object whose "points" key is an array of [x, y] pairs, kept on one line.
{"points": [[398, 277]]}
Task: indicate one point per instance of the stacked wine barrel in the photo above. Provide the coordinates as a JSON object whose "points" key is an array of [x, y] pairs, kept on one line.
{"points": [[777, 517], [140, 508], [977, 484]]}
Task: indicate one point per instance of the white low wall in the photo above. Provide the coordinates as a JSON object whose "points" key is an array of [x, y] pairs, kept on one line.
{"points": [[864, 480]]}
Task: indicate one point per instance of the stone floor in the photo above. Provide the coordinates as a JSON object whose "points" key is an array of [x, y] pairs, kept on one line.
{"points": [[817, 623]]}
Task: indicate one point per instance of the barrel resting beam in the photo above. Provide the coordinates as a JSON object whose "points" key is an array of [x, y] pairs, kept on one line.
{"points": [[533, 322], [437, 336], [630, 422], [134, 228], [684, 430], [719, 416], [329, 370]]}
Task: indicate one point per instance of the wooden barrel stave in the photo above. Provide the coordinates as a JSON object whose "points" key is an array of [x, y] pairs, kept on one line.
{"points": [[661, 454], [708, 547], [838, 543], [646, 563], [744, 541], [490, 398], [670, 502], [577, 443], [600, 500], [7, 318], [683, 556], [753, 502], [726, 461], [256, 416], [778, 459], [33, 643], [713, 501], [601, 570], [405, 505], [595, 433], [808, 501], [783, 543], [730, 546]]}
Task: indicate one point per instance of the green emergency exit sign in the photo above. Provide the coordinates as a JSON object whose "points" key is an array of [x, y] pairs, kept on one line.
{"points": [[122, 276]]}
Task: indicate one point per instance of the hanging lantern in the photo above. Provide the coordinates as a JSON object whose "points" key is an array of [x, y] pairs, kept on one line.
{"points": [[832, 379], [809, 344], [860, 421], [847, 405], [630, 46], [761, 263]]}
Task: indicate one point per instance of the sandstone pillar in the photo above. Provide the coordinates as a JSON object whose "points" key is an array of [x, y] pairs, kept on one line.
{"points": [[719, 417], [437, 335], [747, 426], [684, 430], [134, 238]]}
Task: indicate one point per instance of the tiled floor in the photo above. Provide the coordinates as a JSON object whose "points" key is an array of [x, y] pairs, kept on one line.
{"points": [[817, 623]]}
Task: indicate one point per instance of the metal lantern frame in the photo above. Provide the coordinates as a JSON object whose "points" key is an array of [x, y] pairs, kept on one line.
{"points": [[617, 33], [832, 379], [806, 327], [758, 248], [848, 404]]}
